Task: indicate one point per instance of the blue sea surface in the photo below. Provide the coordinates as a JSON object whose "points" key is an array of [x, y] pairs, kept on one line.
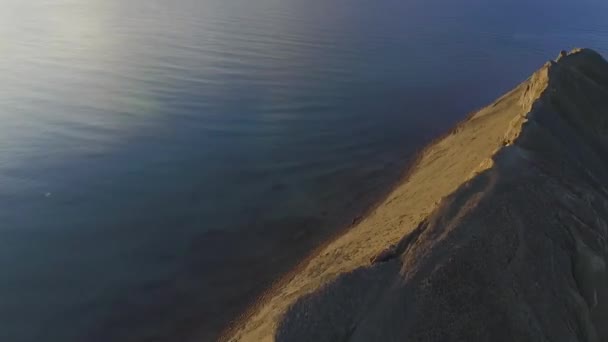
{"points": [[163, 161]]}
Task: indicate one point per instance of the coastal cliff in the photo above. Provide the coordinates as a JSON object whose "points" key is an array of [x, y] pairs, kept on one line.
{"points": [[499, 233]]}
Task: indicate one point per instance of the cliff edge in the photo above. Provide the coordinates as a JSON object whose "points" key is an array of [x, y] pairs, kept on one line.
{"points": [[498, 234]]}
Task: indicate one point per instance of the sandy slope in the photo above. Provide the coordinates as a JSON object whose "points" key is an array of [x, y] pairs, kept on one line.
{"points": [[499, 233]]}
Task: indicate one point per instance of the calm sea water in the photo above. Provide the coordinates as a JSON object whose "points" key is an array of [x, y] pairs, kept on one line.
{"points": [[161, 161]]}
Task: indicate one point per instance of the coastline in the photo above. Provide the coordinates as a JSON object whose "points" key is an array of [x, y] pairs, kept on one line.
{"points": [[350, 221], [228, 333], [444, 166], [232, 330]]}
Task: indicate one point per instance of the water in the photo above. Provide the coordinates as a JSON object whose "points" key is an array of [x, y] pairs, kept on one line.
{"points": [[161, 161]]}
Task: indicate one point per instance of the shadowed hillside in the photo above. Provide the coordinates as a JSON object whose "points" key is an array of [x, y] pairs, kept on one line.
{"points": [[498, 234]]}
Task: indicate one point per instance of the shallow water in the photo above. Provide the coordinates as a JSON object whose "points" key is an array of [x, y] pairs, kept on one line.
{"points": [[161, 161]]}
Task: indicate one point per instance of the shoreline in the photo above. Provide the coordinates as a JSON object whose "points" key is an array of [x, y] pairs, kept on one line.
{"points": [[462, 156], [378, 200], [226, 334], [351, 221]]}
